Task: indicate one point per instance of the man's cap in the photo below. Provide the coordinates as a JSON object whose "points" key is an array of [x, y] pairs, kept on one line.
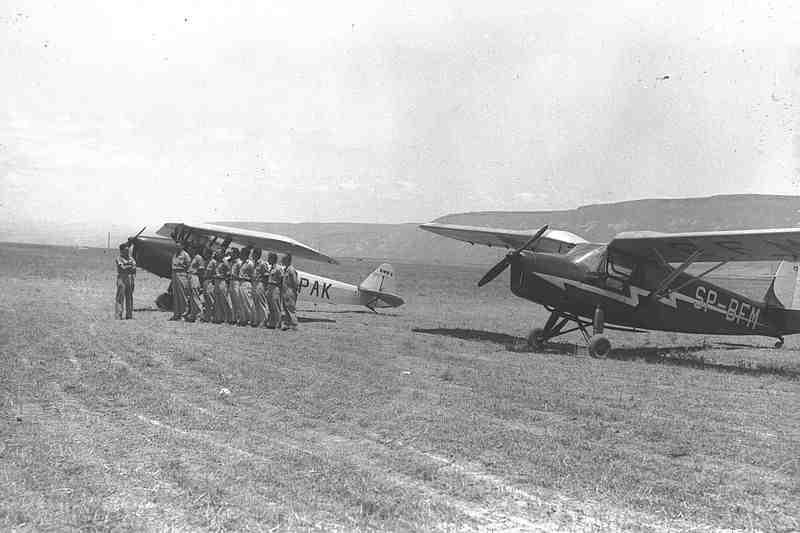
{"points": [[124, 246]]}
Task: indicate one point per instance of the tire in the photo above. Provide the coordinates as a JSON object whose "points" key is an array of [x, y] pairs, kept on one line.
{"points": [[599, 346], [164, 301], [536, 338]]}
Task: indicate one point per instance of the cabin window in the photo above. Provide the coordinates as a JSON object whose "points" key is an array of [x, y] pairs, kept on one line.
{"points": [[619, 267]]}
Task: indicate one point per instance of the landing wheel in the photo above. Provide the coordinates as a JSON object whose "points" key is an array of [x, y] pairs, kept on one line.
{"points": [[536, 338], [599, 346], [779, 342], [164, 301]]}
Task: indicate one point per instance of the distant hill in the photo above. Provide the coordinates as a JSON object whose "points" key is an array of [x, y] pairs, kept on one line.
{"points": [[405, 242], [594, 222], [601, 222]]}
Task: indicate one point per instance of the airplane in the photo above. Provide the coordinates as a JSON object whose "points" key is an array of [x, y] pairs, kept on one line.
{"points": [[154, 254], [638, 281]]}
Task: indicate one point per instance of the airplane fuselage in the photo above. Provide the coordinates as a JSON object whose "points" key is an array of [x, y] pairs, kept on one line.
{"points": [[154, 254], [586, 278]]}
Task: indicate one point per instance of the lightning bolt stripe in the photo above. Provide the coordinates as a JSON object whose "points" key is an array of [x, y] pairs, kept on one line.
{"points": [[636, 293], [730, 314]]}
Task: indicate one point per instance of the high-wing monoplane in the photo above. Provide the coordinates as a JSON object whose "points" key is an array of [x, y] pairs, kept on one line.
{"points": [[639, 281], [154, 254]]}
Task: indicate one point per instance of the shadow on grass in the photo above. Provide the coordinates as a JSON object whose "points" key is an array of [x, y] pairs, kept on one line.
{"points": [[305, 320], [684, 356], [472, 335], [299, 319], [511, 342], [734, 345], [350, 311]]}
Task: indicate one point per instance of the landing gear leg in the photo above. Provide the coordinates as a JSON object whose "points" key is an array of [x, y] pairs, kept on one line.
{"points": [[779, 342], [599, 345], [552, 328]]}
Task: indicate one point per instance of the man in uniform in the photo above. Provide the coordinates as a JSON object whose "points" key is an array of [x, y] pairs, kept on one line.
{"points": [[222, 302], [196, 271], [126, 273], [180, 281], [246, 273], [291, 283], [260, 289], [208, 285], [233, 286], [274, 280]]}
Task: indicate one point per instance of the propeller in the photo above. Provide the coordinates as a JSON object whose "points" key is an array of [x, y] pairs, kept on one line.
{"points": [[510, 256], [133, 239]]}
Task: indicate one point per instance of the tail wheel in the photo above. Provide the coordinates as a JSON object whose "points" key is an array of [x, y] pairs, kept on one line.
{"points": [[599, 346], [536, 338], [779, 342]]}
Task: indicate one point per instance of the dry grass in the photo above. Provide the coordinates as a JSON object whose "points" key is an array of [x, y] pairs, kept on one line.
{"points": [[423, 418]]}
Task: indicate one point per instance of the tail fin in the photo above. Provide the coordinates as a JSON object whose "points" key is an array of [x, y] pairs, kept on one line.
{"points": [[784, 291], [380, 280]]}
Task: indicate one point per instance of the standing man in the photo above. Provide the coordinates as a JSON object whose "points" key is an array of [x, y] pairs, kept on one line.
{"points": [[222, 301], [197, 269], [246, 273], [291, 283], [274, 280], [126, 273], [208, 286], [233, 286], [180, 281], [260, 289]]}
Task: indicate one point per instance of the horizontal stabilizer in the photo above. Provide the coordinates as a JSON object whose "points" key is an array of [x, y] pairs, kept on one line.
{"points": [[374, 299]]}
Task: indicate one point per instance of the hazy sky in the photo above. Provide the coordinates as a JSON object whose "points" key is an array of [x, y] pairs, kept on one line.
{"points": [[134, 112]]}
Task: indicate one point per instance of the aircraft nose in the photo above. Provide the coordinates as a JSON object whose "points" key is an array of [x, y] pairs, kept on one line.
{"points": [[135, 238], [526, 261]]}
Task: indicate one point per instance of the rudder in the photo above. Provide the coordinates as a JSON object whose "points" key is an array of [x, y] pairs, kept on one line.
{"points": [[783, 291], [382, 279]]}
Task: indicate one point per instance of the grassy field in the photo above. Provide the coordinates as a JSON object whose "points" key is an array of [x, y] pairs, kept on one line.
{"points": [[428, 417]]}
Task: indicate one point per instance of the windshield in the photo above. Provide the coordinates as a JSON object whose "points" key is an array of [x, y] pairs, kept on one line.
{"points": [[591, 257]]}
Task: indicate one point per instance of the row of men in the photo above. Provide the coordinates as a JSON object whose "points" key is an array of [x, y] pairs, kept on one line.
{"points": [[237, 287]]}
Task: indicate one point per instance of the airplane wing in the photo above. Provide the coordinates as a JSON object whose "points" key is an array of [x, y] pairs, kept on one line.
{"points": [[243, 237], [746, 245], [553, 241]]}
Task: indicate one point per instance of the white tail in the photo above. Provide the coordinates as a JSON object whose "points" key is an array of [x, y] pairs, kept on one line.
{"points": [[784, 287], [380, 280]]}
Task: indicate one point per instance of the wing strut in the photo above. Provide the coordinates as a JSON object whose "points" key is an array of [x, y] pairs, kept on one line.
{"points": [[672, 276], [700, 276]]}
